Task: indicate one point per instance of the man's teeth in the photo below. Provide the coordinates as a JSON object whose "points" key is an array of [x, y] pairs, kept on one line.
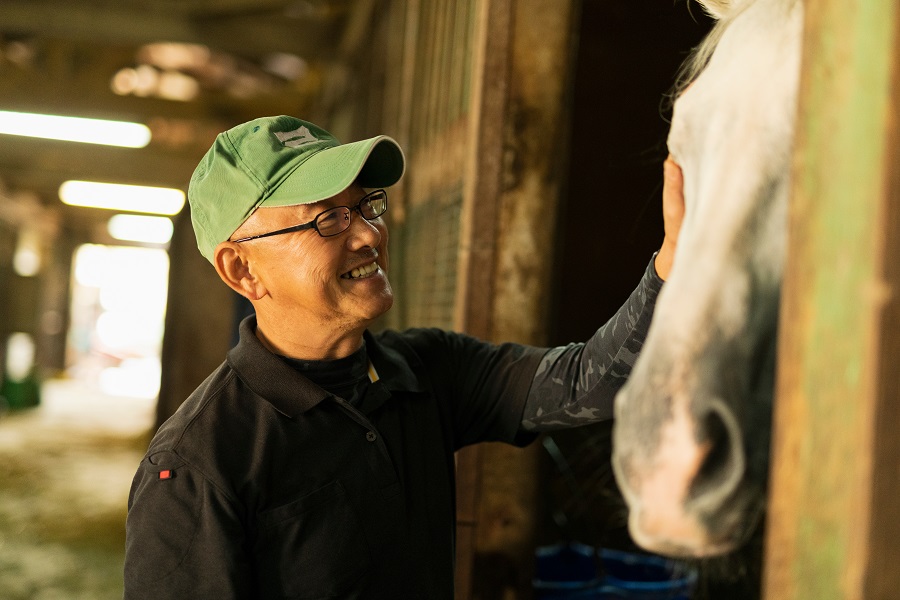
{"points": [[363, 271]]}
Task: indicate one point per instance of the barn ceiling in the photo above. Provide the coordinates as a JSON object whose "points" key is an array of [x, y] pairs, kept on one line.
{"points": [[186, 68]]}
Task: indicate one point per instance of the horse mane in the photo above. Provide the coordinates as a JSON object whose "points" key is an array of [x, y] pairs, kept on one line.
{"points": [[717, 8], [692, 67]]}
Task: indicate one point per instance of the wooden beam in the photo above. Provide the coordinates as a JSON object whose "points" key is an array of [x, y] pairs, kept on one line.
{"points": [[199, 327], [483, 178], [248, 35], [357, 29], [81, 21], [834, 519], [522, 58], [478, 234], [536, 147], [31, 164]]}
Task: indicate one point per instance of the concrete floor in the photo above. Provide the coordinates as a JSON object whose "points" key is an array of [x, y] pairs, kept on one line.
{"points": [[65, 470]]}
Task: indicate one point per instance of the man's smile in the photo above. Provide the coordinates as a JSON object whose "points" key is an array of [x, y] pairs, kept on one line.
{"points": [[360, 272]]}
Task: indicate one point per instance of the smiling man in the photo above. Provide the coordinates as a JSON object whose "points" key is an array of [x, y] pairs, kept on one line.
{"points": [[317, 460], [339, 287]]}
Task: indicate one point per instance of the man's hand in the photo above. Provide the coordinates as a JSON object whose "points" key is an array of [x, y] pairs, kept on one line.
{"points": [[673, 214]]}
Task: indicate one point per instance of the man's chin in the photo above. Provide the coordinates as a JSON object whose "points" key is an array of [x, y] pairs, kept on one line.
{"points": [[385, 306], [375, 307]]}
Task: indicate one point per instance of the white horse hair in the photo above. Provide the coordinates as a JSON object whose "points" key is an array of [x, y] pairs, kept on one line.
{"points": [[691, 435]]}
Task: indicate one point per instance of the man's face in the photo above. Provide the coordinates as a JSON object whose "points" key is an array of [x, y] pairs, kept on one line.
{"points": [[338, 282]]}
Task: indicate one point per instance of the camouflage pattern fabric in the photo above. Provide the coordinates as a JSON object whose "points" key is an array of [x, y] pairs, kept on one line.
{"points": [[576, 384]]}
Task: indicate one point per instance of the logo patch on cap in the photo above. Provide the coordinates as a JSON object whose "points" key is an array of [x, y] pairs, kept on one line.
{"points": [[298, 137]]}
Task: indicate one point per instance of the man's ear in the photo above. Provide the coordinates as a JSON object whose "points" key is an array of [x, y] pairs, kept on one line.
{"points": [[232, 263]]}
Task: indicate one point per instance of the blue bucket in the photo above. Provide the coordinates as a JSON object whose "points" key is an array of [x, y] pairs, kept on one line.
{"points": [[573, 570], [566, 571], [644, 577]]}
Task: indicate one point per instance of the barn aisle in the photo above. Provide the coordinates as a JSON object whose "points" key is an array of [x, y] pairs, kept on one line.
{"points": [[65, 470]]}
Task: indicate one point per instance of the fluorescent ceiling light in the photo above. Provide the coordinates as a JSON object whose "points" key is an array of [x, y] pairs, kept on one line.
{"points": [[75, 129], [134, 228], [116, 196]]}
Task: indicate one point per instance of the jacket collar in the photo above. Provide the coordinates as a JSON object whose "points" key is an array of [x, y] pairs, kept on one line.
{"points": [[290, 392]]}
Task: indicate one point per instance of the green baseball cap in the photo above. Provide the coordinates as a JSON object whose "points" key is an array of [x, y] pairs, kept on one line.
{"points": [[280, 161]]}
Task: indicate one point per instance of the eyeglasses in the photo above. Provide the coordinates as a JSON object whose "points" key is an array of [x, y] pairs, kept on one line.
{"points": [[335, 220]]}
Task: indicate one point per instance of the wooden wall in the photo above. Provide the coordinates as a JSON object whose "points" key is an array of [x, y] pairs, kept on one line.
{"points": [[834, 517], [472, 89]]}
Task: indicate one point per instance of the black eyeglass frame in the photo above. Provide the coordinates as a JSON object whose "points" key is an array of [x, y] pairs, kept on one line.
{"points": [[314, 223]]}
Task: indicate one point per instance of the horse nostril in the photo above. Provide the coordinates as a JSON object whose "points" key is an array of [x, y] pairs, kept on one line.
{"points": [[723, 466]]}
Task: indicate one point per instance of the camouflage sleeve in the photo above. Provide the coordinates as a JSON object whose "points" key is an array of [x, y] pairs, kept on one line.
{"points": [[576, 384]]}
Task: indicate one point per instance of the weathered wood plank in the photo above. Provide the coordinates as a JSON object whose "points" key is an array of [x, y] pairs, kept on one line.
{"points": [[833, 520], [476, 258], [512, 197], [487, 115]]}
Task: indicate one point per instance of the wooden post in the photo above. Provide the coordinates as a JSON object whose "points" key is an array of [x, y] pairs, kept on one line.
{"points": [[834, 520], [199, 321], [487, 116], [478, 233], [517, 140]]}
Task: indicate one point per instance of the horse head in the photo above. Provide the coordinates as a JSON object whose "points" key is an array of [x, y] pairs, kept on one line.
{"points": [[691, 435]]}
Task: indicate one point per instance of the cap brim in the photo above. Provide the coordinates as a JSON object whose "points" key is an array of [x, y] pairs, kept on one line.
{"points": [[375, 162]]}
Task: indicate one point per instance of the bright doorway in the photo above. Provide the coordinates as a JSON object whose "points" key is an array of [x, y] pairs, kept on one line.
{"points": [[118, 306]]}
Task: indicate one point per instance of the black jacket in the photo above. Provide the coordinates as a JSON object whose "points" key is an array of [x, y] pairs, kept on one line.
{"points": [[263, 485]]}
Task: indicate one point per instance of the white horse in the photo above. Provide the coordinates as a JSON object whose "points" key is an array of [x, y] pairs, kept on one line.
{"points": [[692, 425]]}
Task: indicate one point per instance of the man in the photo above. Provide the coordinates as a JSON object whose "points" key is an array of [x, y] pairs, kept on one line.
{"points": [[317, 460]]}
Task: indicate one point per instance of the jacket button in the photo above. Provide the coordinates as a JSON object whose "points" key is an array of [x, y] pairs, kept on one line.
{"points": [[370, 435]]}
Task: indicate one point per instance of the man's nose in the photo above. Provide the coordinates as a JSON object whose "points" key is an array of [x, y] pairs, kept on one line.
{"points": [[362, 232]]}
